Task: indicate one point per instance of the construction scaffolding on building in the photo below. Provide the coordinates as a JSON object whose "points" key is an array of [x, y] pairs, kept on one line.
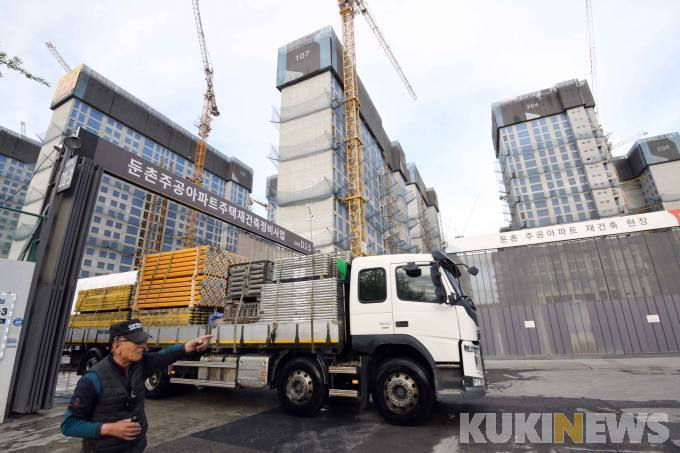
{"points": [[311, 158]]}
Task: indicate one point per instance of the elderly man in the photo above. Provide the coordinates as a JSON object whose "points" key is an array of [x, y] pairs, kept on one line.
{"points": [[107, 407]]}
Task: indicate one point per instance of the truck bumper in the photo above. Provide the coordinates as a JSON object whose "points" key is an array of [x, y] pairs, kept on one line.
{"points": [[474, 387]]}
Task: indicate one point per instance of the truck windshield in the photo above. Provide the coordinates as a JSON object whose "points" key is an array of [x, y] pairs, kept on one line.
{"points": [[455, 284]]}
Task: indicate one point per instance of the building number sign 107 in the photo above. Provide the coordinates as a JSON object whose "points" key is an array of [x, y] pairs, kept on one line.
{"points": [[302, 55]]}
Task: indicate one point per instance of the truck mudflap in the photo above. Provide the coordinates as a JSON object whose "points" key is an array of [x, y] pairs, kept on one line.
{"points": [[465, 378], [474, 379]]}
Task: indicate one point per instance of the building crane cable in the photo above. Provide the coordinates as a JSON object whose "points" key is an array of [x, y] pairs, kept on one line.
{"points": [[356, 198]]}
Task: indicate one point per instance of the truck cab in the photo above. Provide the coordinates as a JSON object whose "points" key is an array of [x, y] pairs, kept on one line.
{"points": [[412, 308]]}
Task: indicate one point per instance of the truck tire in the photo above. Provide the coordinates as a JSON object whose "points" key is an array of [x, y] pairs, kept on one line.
{"points": [[90, 359], [403, 392], [157, 385], [300, 387]]}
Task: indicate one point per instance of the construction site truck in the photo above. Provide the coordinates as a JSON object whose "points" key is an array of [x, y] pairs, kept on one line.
{"points": [[396, 329]]}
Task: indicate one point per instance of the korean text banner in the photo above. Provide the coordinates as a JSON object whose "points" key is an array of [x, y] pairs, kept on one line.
{"points": [[147, 175], [569, 231]]}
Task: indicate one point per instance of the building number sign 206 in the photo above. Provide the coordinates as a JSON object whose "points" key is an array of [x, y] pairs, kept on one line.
{"points": [[302, 55]]}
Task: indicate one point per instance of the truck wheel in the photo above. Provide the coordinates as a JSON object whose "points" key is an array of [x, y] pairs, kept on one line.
{"points": [[300, 387], [157, 385], [93, 356], [403, 392]]}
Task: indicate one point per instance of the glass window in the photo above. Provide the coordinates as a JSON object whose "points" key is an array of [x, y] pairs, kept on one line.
{"points": [[372, 285], [417, 288]]}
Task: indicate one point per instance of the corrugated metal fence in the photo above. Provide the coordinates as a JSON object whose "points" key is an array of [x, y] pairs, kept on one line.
{"points": [[610, 295]]}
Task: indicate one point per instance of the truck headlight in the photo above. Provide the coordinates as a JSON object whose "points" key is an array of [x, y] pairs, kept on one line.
{"points": [[477, 382]]}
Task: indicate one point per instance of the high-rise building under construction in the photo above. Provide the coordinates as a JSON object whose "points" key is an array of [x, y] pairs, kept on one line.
{"points": [[308, 194], [86, 99], [18, 156], [554, 158]]}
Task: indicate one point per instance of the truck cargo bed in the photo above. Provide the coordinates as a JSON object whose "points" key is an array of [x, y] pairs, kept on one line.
{"points": [[253, 335]]}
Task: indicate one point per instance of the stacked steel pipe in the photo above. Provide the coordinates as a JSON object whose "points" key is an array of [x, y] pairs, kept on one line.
{"points": [[183, 286]]}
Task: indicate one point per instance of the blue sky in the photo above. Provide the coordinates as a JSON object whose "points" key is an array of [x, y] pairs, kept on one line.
{"points": [[460, 56]]}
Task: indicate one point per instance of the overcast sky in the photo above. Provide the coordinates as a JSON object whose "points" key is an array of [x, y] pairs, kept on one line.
{"points": [[460, 56]]}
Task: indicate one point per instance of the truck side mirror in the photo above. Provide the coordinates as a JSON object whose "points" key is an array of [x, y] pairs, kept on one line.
{"points": [[472, 270], [440, 294], [413, 270], [436, 276]]}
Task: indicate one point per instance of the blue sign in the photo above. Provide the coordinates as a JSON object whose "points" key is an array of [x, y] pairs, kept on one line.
{"points": [[17, 322]]}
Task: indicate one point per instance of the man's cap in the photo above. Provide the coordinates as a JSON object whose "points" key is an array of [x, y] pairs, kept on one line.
{"points": [[132, 330]]}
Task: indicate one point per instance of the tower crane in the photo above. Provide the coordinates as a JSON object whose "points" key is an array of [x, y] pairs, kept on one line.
{"points": [[53, 50], [209, 111], [356, 198]]}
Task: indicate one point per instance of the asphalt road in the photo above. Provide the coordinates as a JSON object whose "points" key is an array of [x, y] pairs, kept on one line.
{"points": [[214, 420]]}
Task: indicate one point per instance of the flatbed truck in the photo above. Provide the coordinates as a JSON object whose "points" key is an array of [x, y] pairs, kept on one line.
{"points": [[406, 336]]}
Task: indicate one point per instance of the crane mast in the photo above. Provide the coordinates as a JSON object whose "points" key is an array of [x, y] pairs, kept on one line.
{"points": [[208, 112], [356, 198]]}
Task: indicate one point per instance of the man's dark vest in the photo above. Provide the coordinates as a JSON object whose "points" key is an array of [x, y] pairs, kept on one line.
{"points": [[115, 403]]}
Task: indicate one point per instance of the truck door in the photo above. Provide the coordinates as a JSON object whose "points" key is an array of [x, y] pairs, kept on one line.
{"points": [[370, 301], [418, 313]]}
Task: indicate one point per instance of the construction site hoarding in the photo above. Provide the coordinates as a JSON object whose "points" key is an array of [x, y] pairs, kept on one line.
{"points": [[131, 168]]}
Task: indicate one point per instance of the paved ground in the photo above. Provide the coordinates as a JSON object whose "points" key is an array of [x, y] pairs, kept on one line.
{"points": [[211, 420]]}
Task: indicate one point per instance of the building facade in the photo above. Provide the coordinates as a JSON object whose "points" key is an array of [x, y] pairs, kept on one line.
{"points": [[555, 163], [312, 175], [18, 157], [272, 183], [600, 287], [86, 99], [649, 173]]}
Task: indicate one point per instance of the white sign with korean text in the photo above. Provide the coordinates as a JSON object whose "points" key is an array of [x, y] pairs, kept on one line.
{"points": [[569, 231]]}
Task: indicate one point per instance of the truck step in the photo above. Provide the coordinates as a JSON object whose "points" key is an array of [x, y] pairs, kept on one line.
{"points": [[450, 392], [203, 382], [342, 370], [343, 393], [205, 364]]}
